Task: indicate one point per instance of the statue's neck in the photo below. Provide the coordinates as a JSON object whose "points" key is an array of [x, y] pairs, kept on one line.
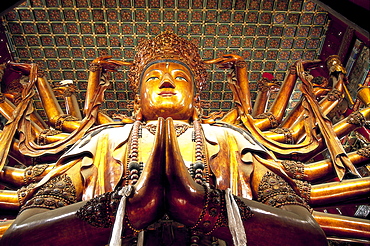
{"points": [[174, 122]]}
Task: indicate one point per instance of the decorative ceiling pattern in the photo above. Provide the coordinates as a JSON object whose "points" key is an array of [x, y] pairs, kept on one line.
{"points": [[64, 36]]}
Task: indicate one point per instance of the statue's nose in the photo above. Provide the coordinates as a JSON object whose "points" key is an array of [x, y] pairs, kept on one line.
{"points": [[167, 82]]}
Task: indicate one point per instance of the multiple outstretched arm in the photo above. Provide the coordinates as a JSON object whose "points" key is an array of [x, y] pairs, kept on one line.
{"points": [[167, 187]]}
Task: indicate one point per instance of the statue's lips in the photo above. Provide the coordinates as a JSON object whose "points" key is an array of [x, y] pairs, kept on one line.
{"points": [[167, 93]]}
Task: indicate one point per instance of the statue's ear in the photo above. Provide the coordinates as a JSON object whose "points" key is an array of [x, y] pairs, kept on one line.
{"points": [[137, 108]]}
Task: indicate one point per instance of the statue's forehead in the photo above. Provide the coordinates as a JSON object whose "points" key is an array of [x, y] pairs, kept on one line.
{"points": [[167, 65], [167, 62]]}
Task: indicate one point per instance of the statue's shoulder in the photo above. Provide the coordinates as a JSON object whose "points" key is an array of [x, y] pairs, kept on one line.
{"points": [[113, 133], [242, 136]]}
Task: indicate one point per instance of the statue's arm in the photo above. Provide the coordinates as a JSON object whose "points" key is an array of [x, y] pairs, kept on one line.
{"points": [[263, 224], [96, 79], [40, 226], [204, 209], [90, 222]]}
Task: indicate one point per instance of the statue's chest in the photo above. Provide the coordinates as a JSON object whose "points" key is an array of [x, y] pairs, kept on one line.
{"points": [[185, 140]]}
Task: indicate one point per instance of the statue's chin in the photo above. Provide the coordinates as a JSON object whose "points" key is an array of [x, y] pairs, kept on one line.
{"points": [[165, 110], [169, 112]]}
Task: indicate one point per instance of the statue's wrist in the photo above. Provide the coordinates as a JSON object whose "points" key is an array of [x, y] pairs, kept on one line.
{"points": [[214, 212], [241, 64], [100, 211], [95, 67]]}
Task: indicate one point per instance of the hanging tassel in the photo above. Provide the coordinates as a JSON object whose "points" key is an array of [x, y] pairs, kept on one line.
{"points": [[118, 223], [235, 221], [140, 240]]}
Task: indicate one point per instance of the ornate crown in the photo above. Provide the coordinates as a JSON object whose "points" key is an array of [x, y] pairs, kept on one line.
{"points": [[167, 46]]}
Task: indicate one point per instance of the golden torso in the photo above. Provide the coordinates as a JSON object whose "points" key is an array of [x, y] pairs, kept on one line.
{"points": [[228, 162], [187, 146]]}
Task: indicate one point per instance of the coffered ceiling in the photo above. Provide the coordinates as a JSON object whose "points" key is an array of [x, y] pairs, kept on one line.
{"points": [[64, 36]]}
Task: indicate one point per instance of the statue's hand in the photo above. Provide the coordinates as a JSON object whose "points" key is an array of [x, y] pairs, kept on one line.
{"points": [[22, 68], [184, 197], [306, 86], [226, 61], [110, 65], [309, 64], [146, 204], [301, 71]]}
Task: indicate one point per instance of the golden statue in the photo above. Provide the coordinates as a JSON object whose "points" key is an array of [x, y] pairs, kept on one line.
{"points": [[232, 179]]}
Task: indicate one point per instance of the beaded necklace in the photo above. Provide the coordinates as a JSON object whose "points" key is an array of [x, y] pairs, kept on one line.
{"points": [[134, 167]]}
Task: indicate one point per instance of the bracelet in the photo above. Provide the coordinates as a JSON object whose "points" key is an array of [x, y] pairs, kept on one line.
{"points": [[294, 169], [356, 118], [31, 172], [214, 213], [60, 121], [217, 210], [365, 152], [94, 67], [241, 64], [100, 211], [42, 138], [273, 121], [273, 190], [57, 192], [334, 95], [288, 136]]}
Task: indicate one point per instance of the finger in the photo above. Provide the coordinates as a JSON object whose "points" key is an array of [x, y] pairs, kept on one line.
{"points": [[153, 172], [122, 63], [173, 157], [176, 170], [233, 56], [312, 64], [146, 204], [228, 56], [184, 198], [100, 59], [299, 67], [213, 61], [316, 61], [105, 57], [20, 67]]}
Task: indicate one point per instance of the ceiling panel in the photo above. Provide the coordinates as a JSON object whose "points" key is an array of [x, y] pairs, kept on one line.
{"points": [[64, 36]]}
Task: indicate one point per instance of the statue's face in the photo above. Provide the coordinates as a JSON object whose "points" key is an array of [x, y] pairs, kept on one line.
{"points": [[167, 90]]}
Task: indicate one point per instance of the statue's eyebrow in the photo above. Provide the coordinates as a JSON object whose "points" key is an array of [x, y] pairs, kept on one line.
{"points": [[174, 70], [158, 70]]}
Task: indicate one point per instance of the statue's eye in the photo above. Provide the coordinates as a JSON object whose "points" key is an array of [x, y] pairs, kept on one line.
{"points": [[151, 78], [181, 78]]}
